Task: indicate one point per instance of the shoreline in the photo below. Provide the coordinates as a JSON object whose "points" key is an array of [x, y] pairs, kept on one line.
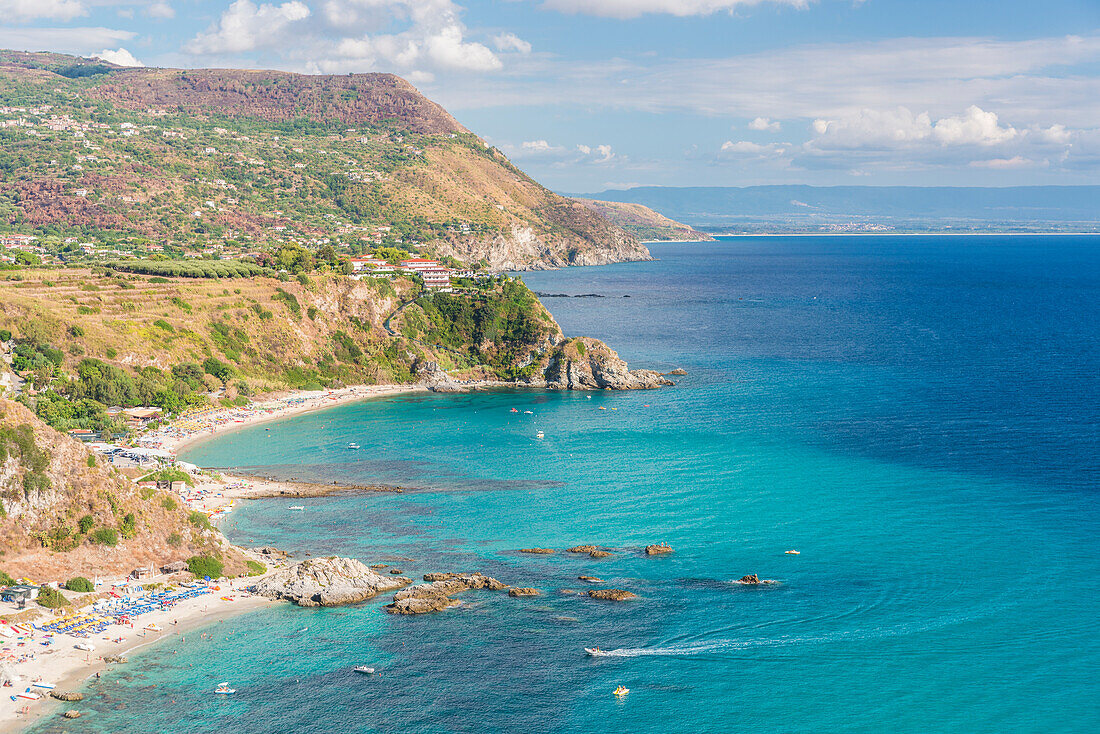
{"points": [[70, 669], [175, 439]]}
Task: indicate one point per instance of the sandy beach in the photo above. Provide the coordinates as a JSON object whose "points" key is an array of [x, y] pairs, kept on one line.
{"points": [[190, 429], [68, 668]]}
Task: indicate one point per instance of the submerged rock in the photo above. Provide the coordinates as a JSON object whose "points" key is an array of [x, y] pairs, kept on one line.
{"points": [[612, 594], [583, 549], [524, 591], [599, 554], [114, 659], [326, 582], [436, 595], [71, 714], [678, 371], [659, 549], [540, 551]]}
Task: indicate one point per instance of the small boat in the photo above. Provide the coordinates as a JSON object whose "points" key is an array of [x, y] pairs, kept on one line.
{"points": [[85, 646], [43, 684], [28, 694], [595, 651], [153, 627], [621, 691], [792, 553], [353, 446], [540, 434], [515, 410], [224, 689], [602, 408], [363, 669], [528, 412], [296, 507]]}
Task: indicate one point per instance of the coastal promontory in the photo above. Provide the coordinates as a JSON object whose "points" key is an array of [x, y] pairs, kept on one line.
{"points": [[326, 582]]}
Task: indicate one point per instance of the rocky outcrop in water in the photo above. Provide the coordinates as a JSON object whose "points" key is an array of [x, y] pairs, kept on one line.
{"points": [[524, 591], [71, 714], [537, 551], [612, 594], [67, 696], [599, 554], [659, 549], [752, 580], [438, 593], [589, 364], [114, 659], [326, 582]]}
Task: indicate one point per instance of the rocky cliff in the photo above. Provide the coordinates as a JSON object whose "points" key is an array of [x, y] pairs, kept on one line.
{"points": [[589, 364], [62, 513]]}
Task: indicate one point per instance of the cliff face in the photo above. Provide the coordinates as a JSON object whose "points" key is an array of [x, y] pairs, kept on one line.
{"points": [[49, 482], [589, 364]]}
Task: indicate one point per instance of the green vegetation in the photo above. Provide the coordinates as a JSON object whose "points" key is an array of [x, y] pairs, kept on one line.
{"points": [[51, 598], [193, 268], [104, 536], [79, 583], [169, 474], [6, 579], [199, 520], [202, 566], [85, 524], [255, 568], [174, 539], [169, 503]]}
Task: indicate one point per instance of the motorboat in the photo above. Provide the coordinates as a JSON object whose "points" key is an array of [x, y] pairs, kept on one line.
{"points": [[515, 410], [224, 689], [621, 691], [363, 669], [296, 507], [540, 434], [596, 652], [353, 446], [792, 553]]}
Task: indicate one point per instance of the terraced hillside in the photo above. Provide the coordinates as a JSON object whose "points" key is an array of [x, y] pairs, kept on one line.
{"points": [[147, 159]]}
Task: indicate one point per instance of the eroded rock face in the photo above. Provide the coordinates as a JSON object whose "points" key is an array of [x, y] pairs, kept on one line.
{"points": [[589, 364], [612, 594], [326, 582], [524, 592], [66, 696], [659, 549], [436, 595]]}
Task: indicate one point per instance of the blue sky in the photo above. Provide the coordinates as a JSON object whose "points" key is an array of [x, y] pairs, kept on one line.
{"points": [[594, 94]]}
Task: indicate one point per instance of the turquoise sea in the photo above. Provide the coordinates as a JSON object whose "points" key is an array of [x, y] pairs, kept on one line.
{"points": [[918, 416]]}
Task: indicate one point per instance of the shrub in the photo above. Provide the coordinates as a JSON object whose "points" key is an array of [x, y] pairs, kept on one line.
{"points": [[105, 536], [5, 336], [311, 312], [76, 331], [199, 520], [51, 598], [255, 568], [86, 523], [147, 493], [79, 583], [175, 540], [129, 525], [5, 579], [169, 504], [162, 324], [206, 566], [91, 460]]}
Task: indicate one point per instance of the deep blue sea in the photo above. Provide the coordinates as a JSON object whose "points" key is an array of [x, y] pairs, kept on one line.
{"points": [[918, 416]]}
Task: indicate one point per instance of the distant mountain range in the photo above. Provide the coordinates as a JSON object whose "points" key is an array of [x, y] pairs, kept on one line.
{"points": [[871, 208]]}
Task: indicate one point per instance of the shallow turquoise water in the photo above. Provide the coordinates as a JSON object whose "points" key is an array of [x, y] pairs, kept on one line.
{"points": [[918, 416]]}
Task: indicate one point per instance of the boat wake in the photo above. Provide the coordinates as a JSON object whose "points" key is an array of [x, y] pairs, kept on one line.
{"points": [[733, 646]]}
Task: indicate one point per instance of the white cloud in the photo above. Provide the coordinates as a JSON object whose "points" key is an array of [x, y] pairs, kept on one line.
{"points": [[511, 42], [540, 146], [75, 40], [120, 56], [746, 148], [599, 154], [764, 123], [872, 128], [635, 8], [21, 11], [160, 10], [1015, 161], [245, 26]]}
